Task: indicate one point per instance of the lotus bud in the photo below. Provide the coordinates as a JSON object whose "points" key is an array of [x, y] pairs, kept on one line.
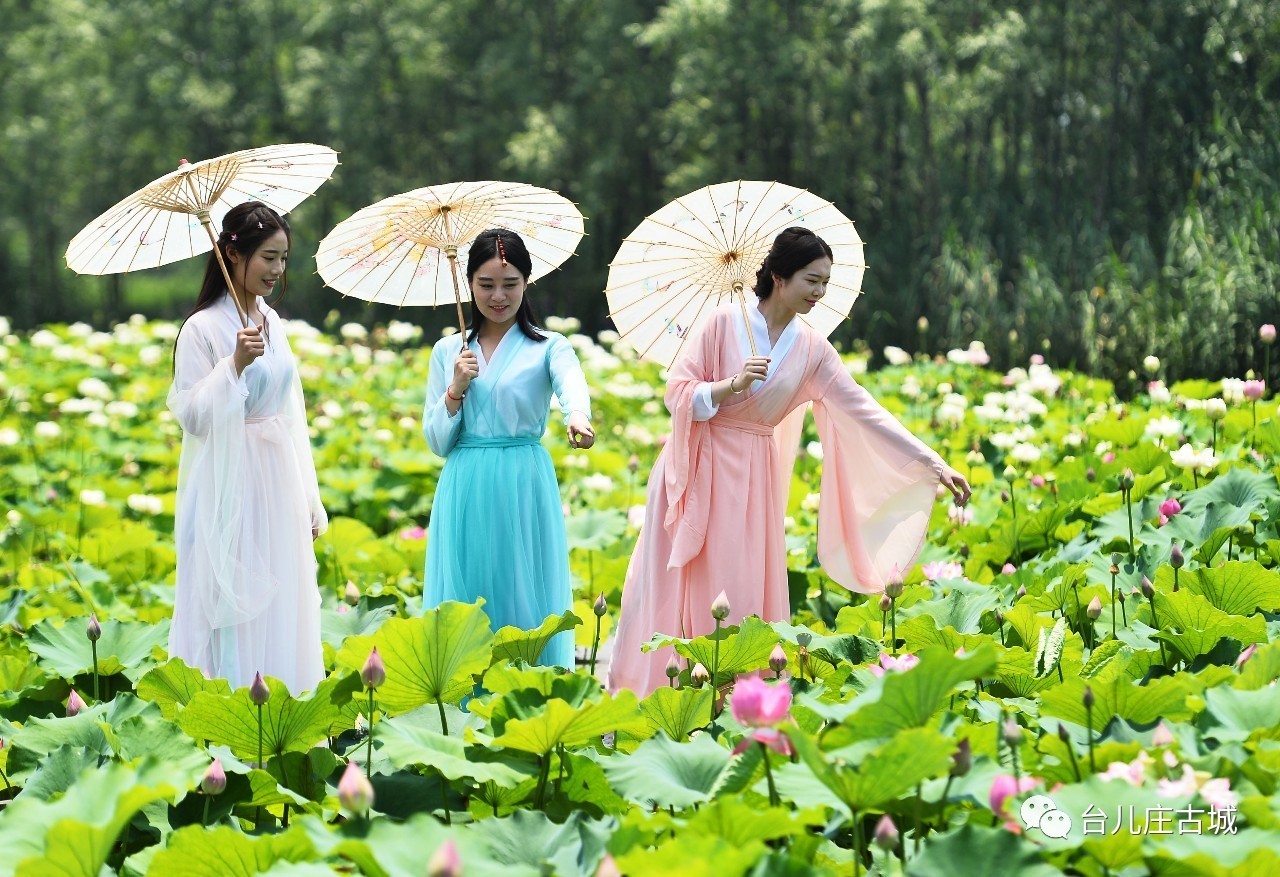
{"points": [[699, 676], [1148, 589], [1176, 560], [1063, 735], [1151, 364], [1012, 732], [1254, 390], [886, 602], [999, 617], [373, 673], [258, 691], [720, 608], [633, 464], [1170, 507], [93, 630], [1162, 736], [1037, 481], [778, 659], [1021, 592], [1126, 480], [893, 589], [886, 834], [673, 667], [1094, 609], [1004, 496], [600, 607], [351, 594], [445, 862], [1216, 409], [975, 458], [1246, 654], [922, 325], [214, 781], [1090, 475], [1267, 333], [1010, 474], [962, 758], [1087, 699], [75, 703], [355, 792]]}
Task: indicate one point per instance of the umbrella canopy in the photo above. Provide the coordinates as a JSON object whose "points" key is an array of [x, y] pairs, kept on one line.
{"points": [[704, 248], [403, 250], [172, 218]]}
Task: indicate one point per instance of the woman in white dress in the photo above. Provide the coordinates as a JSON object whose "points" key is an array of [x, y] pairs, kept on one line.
{"points": [[248, 504]]}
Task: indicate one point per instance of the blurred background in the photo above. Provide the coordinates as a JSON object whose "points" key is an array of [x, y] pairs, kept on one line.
{"points": [[1088, 180]]}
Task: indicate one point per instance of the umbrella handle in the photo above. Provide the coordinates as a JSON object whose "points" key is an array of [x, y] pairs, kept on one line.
{"points": [[226, 275], [742, 300], [452, 253]]}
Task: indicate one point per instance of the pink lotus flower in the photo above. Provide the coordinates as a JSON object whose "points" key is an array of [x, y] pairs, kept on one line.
{"points": [[214, 781], [447, 863], [757, 704], [608, 867], [413, 533], [1267, 333], [939, 569], [1008, 569], [1037, 481], [75, 703], [1218, 795], [1254, 390], [1004, 787], [1170, 507], [1162, 736], [1037, 359], [1108, 457], [1246, 654], [771, 737], [900, 664], [355, 792], [1133, 772], [886, 833]]}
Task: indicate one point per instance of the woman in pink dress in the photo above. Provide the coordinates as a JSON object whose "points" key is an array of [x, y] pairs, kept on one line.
{"points": [[718, 491]]}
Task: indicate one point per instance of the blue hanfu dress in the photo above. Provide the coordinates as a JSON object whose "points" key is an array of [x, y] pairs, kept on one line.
{"points": [[497, 522]]}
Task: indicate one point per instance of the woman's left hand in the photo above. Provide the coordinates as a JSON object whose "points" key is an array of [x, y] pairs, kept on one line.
{"points": [[955, 482], [581, 435]]}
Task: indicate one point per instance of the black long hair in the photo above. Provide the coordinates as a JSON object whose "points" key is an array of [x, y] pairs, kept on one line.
{"points": [[486, 247], [792, 249]]}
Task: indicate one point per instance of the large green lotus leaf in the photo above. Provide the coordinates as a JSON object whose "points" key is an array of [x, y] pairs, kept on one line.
{"points": [[288, 724], [1240, 854], [74, 834], [173, 684], [689, 853], [384, 848], [505, 678], [831, 649], [1260, 670], [571, 849], [18, 673], [595, 529], [360, 620], [1118, 695], [664, 773], [408, 744], [195, 851], [1233, 715], [901, 700], [959, 611], [1194, 626], [1198, 527], [585, 783], [1241, 488], [514, 644], [58, 771], [863, 777], [574, 689], [1122, 433], [974, 851], [740, 823], [922, 632], [562, 724], [65, 649], [429, 659], [88, 730], [677, 711], [1237, 587], [743, 648]]}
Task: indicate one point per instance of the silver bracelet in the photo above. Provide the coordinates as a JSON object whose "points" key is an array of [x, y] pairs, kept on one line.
{"points": [[731, 389]]}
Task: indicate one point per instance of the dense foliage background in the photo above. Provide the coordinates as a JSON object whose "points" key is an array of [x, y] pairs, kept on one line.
{"points": [[1102, 174]]}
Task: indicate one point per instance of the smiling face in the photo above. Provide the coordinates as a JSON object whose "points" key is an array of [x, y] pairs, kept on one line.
{"points": [[498, 290], [802, 291], [260, 273]]}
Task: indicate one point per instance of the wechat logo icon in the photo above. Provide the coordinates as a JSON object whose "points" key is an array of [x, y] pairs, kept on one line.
{"points": [[1040, 812]]}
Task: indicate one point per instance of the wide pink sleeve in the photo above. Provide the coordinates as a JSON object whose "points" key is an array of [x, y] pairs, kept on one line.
{"points": [[688, 471], [878, 483]]}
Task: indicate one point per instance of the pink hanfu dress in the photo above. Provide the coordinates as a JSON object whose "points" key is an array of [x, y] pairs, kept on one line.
{"points": [[717, 495]]}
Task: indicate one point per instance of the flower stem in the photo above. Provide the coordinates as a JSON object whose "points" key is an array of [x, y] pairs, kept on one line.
{"points": [[261, 763], [857, 845], [1088, 709], [1163, 657], [893, 622], [204, 820], [774, 801], [94, 644], [595, 646], [444, 725], [368, 760]]}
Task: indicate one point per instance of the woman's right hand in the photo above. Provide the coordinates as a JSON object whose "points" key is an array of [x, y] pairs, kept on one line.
{"points": [[249, 346], [465, 368], [756, 368]]}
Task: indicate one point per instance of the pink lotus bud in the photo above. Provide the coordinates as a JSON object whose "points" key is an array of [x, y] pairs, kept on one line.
{"points": [[1087, 699], [886, 602], [778, 659], [1094, 609], [74, 704], [1170, 507], [1254, 390], [1267, 333], [757, 704], [258, 691], [633, 463], [1162, 736], [214, 781], [355, 792], [1089, 474], [1126, 480], [1109, 457], [600, 607], [699, 675], [1037, 480], [1246, 654], [886, 834], [373, 673], [93, 630], [673, 667], [962, 758], [608, 867], [720, 608], [1008, 569], [1176, 560], [351, 594], [1063, 734], [1021, 592], [1004, 496], [1003, 787], [1012, 732]]}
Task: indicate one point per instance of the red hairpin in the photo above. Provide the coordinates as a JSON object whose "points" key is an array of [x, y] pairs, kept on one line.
{"points": [[502, 251]]}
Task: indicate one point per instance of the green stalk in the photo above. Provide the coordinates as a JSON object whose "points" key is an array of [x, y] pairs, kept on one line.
{"points": [[94, 645], [774, 801], [893, 622], [444, 725], [368, 760], [857, 845], [204, 820], [261, 762], [1088, 709], [1113, 605], [1128, 506], [715, 670], [595, 646]]}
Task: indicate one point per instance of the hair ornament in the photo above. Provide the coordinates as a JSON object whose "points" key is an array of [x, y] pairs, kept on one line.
{"points": [[233, 237], [259, 225], [502, 251]]}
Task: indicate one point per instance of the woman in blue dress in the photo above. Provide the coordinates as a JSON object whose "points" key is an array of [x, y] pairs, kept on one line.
{"points": [[497, 522]]}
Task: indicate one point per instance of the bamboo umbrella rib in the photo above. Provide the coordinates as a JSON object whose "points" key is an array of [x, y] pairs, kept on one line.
{"points": [[155, 219], [697, 316], [664, 224], [391, 273], [409, 286], [755, 209], [685, 280], [682, 290], [719, 237], [633, 242]]}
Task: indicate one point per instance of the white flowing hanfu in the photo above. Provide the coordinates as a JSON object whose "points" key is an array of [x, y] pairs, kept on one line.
{"points": [[247, 503]]}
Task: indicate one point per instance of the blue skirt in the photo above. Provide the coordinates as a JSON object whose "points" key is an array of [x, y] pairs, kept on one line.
{"points": [[497, 532]]}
